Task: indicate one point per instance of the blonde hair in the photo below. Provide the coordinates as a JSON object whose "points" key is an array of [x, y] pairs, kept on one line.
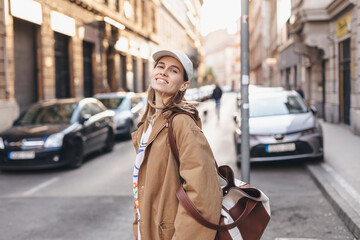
{"points": [[176, 103]]}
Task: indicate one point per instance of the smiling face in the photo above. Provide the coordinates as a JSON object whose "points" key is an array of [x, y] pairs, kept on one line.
{"points": [[168, 78]]}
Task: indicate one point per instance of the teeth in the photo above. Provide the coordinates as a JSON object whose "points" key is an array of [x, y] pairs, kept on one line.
{"points": [[160, 80]]}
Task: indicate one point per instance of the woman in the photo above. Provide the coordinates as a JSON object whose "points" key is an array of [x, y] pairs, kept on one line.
{"points": [[156, 173]]}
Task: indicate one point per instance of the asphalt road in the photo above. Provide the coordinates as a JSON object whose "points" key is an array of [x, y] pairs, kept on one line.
{"points": [[95, 202]]}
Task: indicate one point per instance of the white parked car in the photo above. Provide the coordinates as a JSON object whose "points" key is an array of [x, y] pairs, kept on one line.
{"points": [[281, 127]]}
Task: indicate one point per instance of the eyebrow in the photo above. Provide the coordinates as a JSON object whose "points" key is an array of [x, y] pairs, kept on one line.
{"points": [[170, 66]]}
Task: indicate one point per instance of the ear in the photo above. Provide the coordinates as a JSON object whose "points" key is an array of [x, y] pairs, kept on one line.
{"points": [[184, 86]]}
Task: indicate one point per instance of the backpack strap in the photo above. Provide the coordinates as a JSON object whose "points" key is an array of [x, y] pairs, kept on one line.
{"points": [[171, 137], [192, 211], [184, 198]]}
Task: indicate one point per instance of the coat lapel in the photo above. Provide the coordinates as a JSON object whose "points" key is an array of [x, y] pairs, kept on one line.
{"points": [[159, 125]]}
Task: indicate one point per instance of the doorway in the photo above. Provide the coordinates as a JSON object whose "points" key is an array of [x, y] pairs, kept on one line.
{"points": [[123, 73], [88, 49], [345, 80], [26, 67], [62, 67]]}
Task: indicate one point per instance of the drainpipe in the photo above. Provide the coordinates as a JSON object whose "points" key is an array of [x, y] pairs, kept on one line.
{"points": [[7, 95]]}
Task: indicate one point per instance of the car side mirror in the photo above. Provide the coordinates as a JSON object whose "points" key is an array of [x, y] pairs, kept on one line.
{"points": [[313, 109], [85, 118]]}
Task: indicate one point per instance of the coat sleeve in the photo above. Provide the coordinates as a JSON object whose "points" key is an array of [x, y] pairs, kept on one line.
{"points": [[197, 168]]}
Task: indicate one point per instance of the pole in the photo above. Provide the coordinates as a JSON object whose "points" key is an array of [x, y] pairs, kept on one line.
{"points": [[245, 152]]}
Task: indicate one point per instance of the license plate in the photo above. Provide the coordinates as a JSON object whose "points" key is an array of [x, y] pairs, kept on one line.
{"points": [[22, 155], [286, 147]]}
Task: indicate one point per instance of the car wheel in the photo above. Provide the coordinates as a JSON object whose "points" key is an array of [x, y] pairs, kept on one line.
{"points": [[76, 154], [110, 141]]}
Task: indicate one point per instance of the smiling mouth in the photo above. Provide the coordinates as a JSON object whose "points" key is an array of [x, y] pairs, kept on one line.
{"points": [[161, 80]]}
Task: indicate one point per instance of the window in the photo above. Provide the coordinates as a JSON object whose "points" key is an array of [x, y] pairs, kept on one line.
{"points": [[117, 5], [143, 15], [129, 10], [85, 110], [95, 109], [273, 105], [112, 103], [51, 114], [153, 20], [135, 101]]}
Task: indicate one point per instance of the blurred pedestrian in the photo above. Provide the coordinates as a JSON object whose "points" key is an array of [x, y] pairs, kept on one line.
{"points": [[299, 90], [156, 173], [216, 95]]}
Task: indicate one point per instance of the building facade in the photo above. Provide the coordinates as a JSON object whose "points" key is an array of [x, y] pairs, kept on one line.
{"points": [[219, 49], [179, 28], [266, 32], [77, 48], [256, 41], [327, 34], [236, 61], [316, 47]]}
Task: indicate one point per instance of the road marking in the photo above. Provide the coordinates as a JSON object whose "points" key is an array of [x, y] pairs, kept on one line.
{"points": [[40, 186]]}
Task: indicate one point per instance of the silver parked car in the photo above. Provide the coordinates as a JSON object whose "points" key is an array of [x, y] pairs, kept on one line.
{"points": [[281, 127], [128, 108]]}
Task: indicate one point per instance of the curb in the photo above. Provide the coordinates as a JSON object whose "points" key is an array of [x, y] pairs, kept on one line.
{"points": [[342, 197]]}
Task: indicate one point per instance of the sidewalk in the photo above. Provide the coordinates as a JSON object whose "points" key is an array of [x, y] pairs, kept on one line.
{"points": [[338, 177]]}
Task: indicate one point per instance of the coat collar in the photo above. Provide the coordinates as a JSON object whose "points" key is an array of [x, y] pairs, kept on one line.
{"points": [[160, 123]]}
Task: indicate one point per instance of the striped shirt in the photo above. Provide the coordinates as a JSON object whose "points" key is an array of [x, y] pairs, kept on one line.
{"points": [[138, 161]]}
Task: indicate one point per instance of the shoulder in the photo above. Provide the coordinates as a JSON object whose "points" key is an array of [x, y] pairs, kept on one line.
{"points": [[184, 119], [184, 123]]}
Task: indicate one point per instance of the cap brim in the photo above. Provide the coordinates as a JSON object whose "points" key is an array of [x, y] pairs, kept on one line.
{"points": [[162, 53]]}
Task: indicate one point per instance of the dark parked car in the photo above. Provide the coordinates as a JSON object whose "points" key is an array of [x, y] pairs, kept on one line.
{"points": [[281, 127], [128, 108], [57, 133]]}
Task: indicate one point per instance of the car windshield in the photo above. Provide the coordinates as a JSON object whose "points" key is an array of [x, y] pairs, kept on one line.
{"points": [[112, 103], [276, 105], [51, 114]]}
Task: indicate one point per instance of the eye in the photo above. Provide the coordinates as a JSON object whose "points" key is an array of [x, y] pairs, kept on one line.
{"points": [[174, 71], [159, 66]]}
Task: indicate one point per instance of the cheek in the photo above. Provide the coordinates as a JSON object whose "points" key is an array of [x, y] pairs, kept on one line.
{"points": [[178, 81], [154, 72], [152, 77], [178, 86]]}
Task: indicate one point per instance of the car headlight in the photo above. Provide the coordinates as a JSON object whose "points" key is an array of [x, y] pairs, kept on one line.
{"points": [[2, 145], [308, 131], [54, 140]]}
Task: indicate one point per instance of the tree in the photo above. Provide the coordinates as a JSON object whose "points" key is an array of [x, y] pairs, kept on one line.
{"points": [[209, 76]]}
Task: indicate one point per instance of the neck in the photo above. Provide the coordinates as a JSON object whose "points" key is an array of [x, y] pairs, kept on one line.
{"points": [[160, 99]]}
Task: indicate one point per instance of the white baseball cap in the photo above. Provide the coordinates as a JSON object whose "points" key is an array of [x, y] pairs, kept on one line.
{"points": [[179, 55]]}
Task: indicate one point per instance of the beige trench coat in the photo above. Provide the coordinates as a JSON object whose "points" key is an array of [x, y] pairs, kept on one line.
{"points": [[162, 217]]}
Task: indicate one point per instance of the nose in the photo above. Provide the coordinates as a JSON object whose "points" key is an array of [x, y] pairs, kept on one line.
{"points": [[163, 71]]}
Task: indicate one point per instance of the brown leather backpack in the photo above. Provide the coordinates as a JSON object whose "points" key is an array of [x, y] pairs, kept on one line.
{"points": [[245, 209]]}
